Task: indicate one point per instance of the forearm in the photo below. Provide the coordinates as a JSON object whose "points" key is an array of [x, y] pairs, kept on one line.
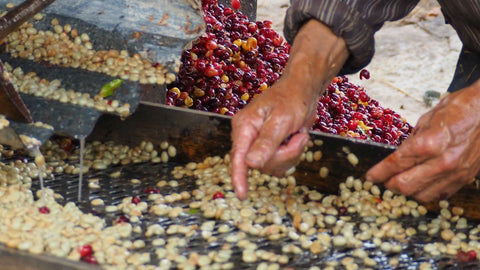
{"points": [[316, 56], [260, 130]]}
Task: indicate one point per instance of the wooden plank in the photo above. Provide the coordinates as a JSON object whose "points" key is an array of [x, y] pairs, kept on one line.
{"points": [[20, 14], [11, 104]]}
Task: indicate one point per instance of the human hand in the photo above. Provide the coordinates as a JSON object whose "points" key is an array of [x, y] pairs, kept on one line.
{"points": [[260, 130], [442, 155], [286, 110]]}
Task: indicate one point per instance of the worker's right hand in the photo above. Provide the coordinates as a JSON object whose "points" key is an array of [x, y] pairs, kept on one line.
{"points": [[270, 133]]}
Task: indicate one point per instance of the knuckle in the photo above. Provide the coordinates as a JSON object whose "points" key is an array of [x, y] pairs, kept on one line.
{"points": [[432, 144], [405, 186], [448, 163], [407, 190], [263, 144], [428, 147]]}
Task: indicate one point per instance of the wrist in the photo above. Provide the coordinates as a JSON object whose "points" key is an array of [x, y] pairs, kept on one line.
{"points": [[316, 56]]}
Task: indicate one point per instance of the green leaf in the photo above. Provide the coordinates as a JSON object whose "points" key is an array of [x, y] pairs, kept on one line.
{"points": [[363, 132], [193, 211], [109, 88]]}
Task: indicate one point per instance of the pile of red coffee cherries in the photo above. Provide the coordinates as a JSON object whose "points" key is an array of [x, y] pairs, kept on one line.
{"points": [[237, 59], [346, 109]]}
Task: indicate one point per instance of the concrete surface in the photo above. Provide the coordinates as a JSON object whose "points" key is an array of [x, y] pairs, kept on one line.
{"points": [[413, 55]]}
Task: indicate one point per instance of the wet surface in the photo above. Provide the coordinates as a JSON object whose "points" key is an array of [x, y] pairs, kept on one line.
{"points": [[114, 190]]}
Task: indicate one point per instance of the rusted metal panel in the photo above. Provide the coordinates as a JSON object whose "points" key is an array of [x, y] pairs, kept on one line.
{"points": [[198, 135]]}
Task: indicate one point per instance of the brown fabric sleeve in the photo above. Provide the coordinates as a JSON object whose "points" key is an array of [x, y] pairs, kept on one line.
{"points": [[356, 21]]}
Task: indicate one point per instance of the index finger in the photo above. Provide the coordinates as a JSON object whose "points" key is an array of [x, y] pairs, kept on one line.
{"points": [[412, 152], [275, 130], [243, 134]]}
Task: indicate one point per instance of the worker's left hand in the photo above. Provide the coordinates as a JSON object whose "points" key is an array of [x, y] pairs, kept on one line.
{"points": [[261, 129], [443, 153]]}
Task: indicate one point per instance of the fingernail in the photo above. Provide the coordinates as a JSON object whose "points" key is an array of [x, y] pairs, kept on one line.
{"points": [[239, 194], [255, 158]]}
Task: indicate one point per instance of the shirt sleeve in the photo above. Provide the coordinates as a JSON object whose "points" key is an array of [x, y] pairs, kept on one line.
{"points": [[356, 21]]}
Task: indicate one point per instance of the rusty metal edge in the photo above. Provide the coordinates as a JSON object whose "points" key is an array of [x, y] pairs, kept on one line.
{"points": [[14, 260], [198, 135]]}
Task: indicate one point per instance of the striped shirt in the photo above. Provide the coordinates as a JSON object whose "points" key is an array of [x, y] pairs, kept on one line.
{"points": [[356, 21]]}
